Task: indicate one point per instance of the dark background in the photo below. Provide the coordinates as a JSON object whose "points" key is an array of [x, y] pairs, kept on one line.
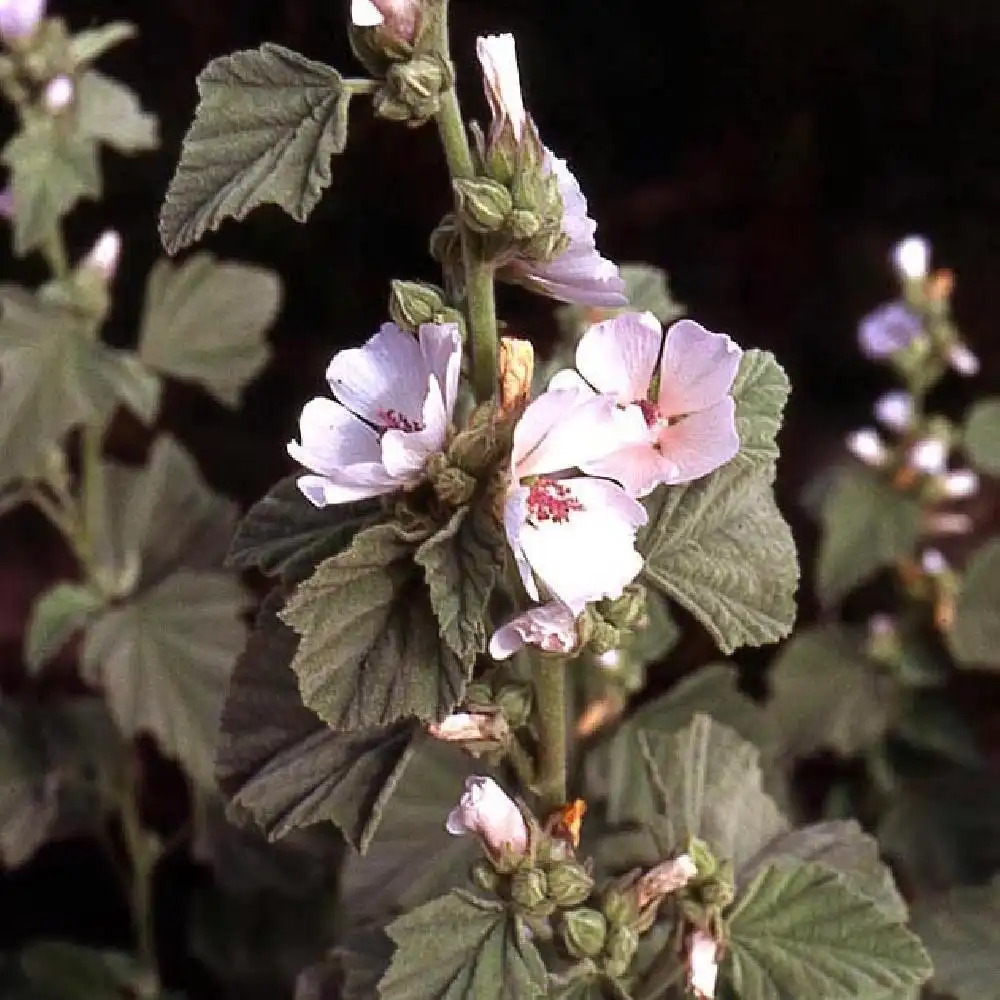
{"points": [[766, 154]]}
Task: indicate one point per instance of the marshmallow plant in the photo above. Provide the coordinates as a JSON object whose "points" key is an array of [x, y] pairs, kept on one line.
{"points": [[459, 542]]}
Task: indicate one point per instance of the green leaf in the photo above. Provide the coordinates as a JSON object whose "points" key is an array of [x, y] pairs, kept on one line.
{"points": [[660, 635], [866, 526], [55, 616], [370, 653], [462, 948], [799, 931], [92, 43], [163, 658], [267, 124], [110, 112], [981, 435], [207, 322], [827, 694], [462, 563], [52, 168], [284, 535], [720, 547], [974, 639], [647, 290], [761, 391], [961, 930], [278, 760], [59, 970]]}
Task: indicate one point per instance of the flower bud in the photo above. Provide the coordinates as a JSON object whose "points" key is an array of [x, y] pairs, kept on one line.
{"points": [[887, 330], [895, 410], [412, 303], [620, 907], [59, 93], [412, 90], [703, 966], [19, 19], [929, 456], [933, 562], [514, 702], [523, 224], [911, 258], [621, 945], [482, 204], [516, 364], [584, 932], [445, 244], [569, 884], [884, 644], [866, 445], [528, 888], [462, 727], [105, 254], [486, 810], [399, 19], [485, 876], [962, 359], [961, 484], [667, 877]]}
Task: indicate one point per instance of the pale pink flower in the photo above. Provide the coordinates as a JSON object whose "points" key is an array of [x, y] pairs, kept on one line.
{"points": [[867, 446], [105, 254], [20, 18], [962, 360], [579, 274], [929, 455], [400, 18], [462, 726], [667, 877], [933, 562], [703, 964], [551, 627], [573, 534], [689, 429], [486, 810], [395, 397], [895, 410], [59, 93], [911, 257], [960, 484]]}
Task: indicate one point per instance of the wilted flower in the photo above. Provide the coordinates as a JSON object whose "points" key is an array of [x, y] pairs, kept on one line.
{"points": [[486, 810], [888, 329], [703, 966], [962, 359], [105, 254], [667, 877], [399, 18], [911, 257], [462, 726], [866, 445], [578, 273], [575, 534], [895, 410], [59, 93], [551, 627], [19, 18], [961, 484], [689, 429], [394, 400]]}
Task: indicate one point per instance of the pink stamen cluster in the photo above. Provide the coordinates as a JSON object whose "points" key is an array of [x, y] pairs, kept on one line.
{"points": [[394, 420], [551, 501]]}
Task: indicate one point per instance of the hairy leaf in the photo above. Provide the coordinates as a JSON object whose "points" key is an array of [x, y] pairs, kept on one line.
{"points": [[267, 124], [107, 111], [458, 947], [981, 435], [866, 526], [207, 321], [800, 931], [975, 637], [370, 653], [92, 43], [647, 290], [56, 614], [761, 391]]}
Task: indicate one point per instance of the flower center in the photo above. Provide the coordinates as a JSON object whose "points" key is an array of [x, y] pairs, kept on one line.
{"points": [[395, 421], [550, 501], [650, 412]]}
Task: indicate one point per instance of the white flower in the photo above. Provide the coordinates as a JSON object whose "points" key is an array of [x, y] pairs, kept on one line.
{"points": [[399, 17], [579, 274], [574, 534], [703, 966], [462, 726], [866, 445], [929, 455], [667, 877], [105, 254], [895, 410], [689, 429], [911, 257], [19, 18], [963, 360], [933, 562], [59, 93], [486, 810], [551, 627], [961, 484], [395, 399]]}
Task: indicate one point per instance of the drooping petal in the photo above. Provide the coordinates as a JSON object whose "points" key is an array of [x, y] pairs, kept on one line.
{"points": [[888, 329], [703, 965], [486, 810], [365, 14], [551, 627], [441, 344], [384, 380], [702, 442], [332, 438], [405, 453], [619, 355], [697, 368], [502, 79]]}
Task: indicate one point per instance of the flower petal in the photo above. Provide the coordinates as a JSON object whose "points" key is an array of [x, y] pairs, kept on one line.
{"points": [[697, 368], [365, 14], [551, 627], [700, 443], [640, 468], [441, 345], [333, 438], [888, 329], [619, 355], [368, 481], [405, 453], [515, 515], [498, 59]]}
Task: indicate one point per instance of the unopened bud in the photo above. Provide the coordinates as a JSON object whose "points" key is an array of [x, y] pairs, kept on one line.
{"points": [[569, 884], [523, 224], [703, 966], [620, 906], [19, 19], [621, 945], [482, 204], [516, 363], [486, 810], [485, 876], [584, 932], [962, 359], [866, 445], [462, 727], [59, 94], [929, 456], [895, 410], [528, 888], [961, 484], [412, 303], [105, 254], [514, 702], [666, 878], [911, 257]]}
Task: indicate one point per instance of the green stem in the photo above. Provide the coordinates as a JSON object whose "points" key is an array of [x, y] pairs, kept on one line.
{"points": [[479, 290], [520, 760], [92, 487], [143, 854], [550, 700]]}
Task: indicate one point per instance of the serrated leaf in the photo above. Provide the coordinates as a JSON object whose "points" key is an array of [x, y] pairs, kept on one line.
{"points": [[866, 526], [370, 653], [981, 435], [761, 391], [974, 638], [59, 970], [827, 694], [52, 168], [92, 43], [278, 760], [56, 614], [207, 321], [267, 124], [647, 290], [799, 931], [720, 547], [961, 930], [284, 535], [462, 948], [163, 659], [462, 563], [107, 111]]}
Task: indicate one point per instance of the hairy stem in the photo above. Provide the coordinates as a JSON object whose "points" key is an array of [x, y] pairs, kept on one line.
{"points": [[92, 492], [144, 852], [479, 291], [550, 698]]}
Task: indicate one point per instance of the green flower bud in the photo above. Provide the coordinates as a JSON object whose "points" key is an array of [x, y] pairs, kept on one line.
{"points": [[569, 884], [412, 303], [620, 907], [452, 486], [584, 932], [446, 242], [621, 945], [483, 204], [478, 693], [514, 702], [528, 888], [522, 224], [702, 856], [412, 90], [485, 876]]}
